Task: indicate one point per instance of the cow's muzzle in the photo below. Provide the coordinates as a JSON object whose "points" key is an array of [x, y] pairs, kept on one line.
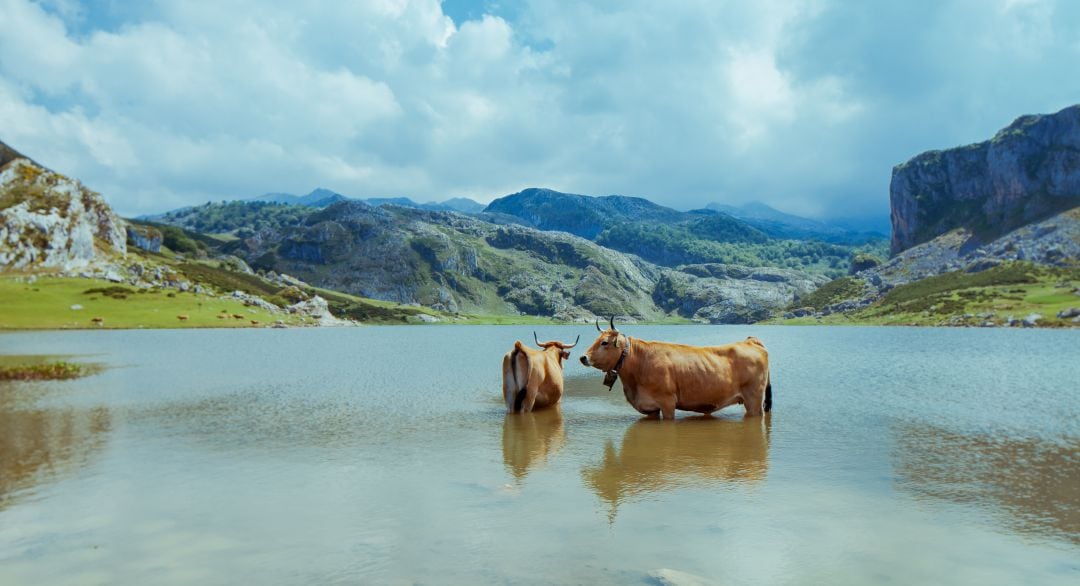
{"points": [[585, 360]]}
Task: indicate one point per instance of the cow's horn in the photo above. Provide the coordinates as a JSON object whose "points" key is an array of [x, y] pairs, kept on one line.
{"points": [[598, 326], [576, 340], [537, 340], [611, 322]]}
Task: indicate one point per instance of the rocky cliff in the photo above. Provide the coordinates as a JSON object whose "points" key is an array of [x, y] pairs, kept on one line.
{"points": [[50, 221], [1029, 171]]}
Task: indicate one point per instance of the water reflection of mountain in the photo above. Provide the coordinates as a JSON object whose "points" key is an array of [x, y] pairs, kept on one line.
{"points": [[1032, 484], [658, 456], [41, 445], [529, 439]]}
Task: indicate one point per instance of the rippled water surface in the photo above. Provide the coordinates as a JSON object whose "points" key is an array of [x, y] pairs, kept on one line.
{"points": [[382, 455]]}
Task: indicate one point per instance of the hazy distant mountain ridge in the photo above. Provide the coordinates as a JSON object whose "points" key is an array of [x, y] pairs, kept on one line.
{"points": [[669, 237], [581, 215], [318, 198], [783, 225], [321, 197], [1028, 171]]}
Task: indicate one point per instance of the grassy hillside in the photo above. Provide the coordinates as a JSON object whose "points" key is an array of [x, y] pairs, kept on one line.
{"points": [[956, 299], [718, 239], [46, 304]]}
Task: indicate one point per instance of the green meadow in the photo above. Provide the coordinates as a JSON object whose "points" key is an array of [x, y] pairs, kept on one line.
{"points": [[955, 299], [47, 304]]}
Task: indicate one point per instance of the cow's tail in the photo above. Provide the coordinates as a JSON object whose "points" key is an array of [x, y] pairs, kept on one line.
{"points": [[519, 396], [767, 406]]}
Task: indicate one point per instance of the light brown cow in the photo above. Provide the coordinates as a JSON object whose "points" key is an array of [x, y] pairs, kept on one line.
{"points": [[533, 379], [660, 377]]}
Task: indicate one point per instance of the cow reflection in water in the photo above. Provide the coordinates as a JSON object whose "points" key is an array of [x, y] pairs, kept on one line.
{"points": [[658, 456], [529, 439]]}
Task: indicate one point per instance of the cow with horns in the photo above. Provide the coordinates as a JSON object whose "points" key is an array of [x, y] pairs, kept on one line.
{"points": [[533, 379], [660, 377]]}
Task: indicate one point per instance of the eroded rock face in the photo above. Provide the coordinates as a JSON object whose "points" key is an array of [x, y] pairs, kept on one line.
{"points": [[48, 220], [147, 238], [1054, 241], [1027, 172], [730, 294]]}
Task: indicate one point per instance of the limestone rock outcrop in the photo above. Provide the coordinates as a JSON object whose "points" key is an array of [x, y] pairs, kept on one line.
{"points": [[51, 221], [1028, 172]]}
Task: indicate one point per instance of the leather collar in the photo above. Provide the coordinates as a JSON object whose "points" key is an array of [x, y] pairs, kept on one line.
{"points": [[612, 375]]}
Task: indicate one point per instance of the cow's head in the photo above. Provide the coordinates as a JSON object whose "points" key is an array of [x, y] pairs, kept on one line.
{"points": [[605, 351], [561, 348]]}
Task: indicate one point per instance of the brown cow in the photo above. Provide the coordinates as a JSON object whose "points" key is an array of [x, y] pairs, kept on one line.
{"points": [[533, 379], [182, 317], [659, 377]]}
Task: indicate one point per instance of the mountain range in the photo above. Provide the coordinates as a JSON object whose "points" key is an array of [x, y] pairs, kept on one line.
{"points": [[783, 225], [587, 216], [567, 256], [320, 198], [455, 262]]}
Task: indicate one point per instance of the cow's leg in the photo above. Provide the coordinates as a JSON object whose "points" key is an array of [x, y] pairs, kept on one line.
{"points": [[667, 408], [753, 398], [530, 398], [509, 391]]}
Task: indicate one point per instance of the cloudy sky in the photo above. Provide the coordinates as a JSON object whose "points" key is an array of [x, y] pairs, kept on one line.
{"points": [[805, 105]]}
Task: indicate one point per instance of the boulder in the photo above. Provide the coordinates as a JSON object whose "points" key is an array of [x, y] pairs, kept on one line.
{"points": [[317, 309], [145, 237]]}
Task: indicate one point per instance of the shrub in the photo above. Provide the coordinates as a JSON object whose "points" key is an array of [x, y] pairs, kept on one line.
{"points": [[832, 292]]}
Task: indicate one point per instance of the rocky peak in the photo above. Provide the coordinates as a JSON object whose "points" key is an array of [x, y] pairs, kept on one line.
{"points": [[8, 154], [50, 221], [1029, 171]]}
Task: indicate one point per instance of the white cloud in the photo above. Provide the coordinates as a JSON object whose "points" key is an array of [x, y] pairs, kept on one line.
{"points": [[802, 104]]}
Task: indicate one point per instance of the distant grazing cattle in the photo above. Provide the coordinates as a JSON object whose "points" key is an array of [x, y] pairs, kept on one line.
{"points": [[182, 317], [222, 316], [659, 377], [237, 316], [533, 379], [254, 322], [97, 320]]}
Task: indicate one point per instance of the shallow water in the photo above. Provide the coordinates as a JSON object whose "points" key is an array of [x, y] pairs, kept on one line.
{"points": [[382, 455]]}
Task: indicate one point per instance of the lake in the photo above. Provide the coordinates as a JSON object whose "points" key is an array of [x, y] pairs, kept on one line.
{"points": [[383, 455]]}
